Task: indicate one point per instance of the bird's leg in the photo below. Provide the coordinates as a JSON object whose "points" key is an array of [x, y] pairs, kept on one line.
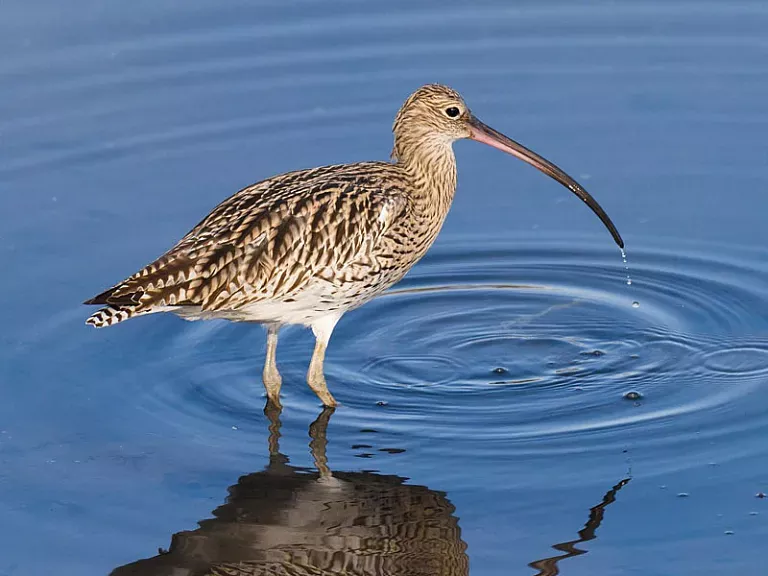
{"points": [[315, 377], [270, 375]]}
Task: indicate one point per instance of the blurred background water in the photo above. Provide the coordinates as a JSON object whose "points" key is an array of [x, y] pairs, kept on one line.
{"points": [[508, 382]]}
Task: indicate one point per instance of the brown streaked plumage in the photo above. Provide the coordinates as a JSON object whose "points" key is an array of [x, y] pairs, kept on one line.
{"points": [[304, 247]]}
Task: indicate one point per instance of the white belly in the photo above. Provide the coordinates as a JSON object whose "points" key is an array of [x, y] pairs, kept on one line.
{"points": [[305, 308]]}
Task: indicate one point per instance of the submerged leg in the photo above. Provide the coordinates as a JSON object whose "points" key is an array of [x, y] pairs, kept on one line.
{"points": [[315, 377], [270, 375]]}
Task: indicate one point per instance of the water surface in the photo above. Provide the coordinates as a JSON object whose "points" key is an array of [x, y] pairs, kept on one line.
{"points": [[506, 404]]}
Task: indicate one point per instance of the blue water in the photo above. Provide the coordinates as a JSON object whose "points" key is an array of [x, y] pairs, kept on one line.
{"points": [[487, 402]]}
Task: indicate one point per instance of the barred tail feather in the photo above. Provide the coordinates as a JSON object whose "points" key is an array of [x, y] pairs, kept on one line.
{"points": [[110, 315]]}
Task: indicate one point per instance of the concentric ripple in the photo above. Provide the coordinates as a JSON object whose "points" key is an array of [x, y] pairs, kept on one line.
{"points": [[542, 347], [517, 350]]}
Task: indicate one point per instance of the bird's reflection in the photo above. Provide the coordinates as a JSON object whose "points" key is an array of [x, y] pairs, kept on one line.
{"points": [[286, 521], [548, 566]]}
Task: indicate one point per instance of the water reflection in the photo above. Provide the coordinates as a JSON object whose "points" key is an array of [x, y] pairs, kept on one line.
{"points": [[285, 520], [289, 520], [548, 566]]}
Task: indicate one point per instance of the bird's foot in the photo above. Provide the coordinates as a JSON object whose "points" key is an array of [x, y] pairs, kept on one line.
{"points": [[319, 387], [272, 384]]}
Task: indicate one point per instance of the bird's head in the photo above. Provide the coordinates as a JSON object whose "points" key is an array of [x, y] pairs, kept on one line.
{"points": [[435, 116], [434, 112]]}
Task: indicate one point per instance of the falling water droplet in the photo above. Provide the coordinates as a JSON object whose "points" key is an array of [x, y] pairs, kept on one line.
{"points": [[635, 304], [626, 266]]}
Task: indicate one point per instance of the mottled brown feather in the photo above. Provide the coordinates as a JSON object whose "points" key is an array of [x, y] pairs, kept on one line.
{"points": [[270, 240]]}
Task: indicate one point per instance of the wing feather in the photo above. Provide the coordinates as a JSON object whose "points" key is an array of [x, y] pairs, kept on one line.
{"points": [[272, 240]]}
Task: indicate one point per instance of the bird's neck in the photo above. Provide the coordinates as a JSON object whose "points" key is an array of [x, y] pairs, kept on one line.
{"points": [[431, 164]]}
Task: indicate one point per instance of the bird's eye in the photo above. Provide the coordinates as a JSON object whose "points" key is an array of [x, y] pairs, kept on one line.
{"points": [[452, 112]]}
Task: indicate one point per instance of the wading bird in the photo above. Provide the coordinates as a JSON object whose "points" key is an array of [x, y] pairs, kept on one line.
{"points": [[307, 246]]}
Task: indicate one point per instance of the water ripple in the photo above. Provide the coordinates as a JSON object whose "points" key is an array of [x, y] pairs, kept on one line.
{"points": [[526, 349], [99, 81]]}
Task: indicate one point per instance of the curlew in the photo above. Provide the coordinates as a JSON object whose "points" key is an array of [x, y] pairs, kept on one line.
{"points": [[307, 246]]}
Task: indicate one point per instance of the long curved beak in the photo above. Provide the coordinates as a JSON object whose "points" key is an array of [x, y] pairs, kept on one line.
{"points": [[487, 135]]}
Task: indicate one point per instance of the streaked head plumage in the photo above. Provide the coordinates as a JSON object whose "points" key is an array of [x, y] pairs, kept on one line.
{"points": [[435, 109]]}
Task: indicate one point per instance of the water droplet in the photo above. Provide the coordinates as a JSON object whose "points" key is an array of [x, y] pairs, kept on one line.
{"points": [[683, 495], [635, 304], [626, 266], [633, 395]]}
